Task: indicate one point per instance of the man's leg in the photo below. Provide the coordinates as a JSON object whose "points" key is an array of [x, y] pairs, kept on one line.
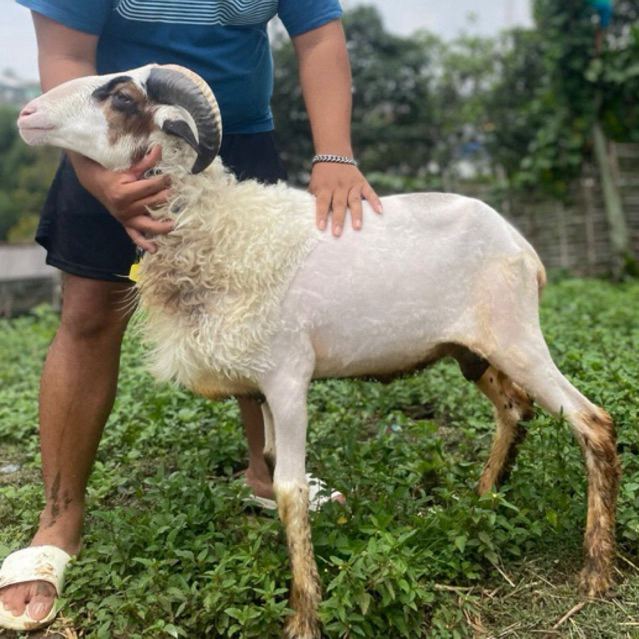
{"points": [[258, 476], [76, 396]]}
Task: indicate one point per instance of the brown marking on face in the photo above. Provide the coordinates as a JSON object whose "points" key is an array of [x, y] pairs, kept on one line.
{"points": [[127, 111]]}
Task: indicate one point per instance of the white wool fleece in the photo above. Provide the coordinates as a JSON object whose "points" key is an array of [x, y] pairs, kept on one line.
{"points": [[212, 292]]}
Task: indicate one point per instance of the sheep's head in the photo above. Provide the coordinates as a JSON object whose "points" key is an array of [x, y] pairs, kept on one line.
{"points": [[113, 119]]}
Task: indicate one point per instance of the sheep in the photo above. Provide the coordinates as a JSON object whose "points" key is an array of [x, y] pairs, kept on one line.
{"points": [[246, 296]]}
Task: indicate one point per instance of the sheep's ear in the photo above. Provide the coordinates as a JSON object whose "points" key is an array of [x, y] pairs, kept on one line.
{"points": [[182, 130]]}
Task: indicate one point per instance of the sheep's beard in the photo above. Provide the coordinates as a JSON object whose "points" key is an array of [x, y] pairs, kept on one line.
{"points": [[211, 295]]}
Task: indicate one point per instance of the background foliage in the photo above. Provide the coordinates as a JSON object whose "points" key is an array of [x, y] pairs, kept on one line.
{"points": [[25, 175], [521, 105], [518, 108]]}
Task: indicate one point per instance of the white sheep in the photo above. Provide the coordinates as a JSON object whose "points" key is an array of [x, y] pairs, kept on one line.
{"points": [[247, 296]]}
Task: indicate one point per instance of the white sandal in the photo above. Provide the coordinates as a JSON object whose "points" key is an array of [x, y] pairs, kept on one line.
{"points": [[35, 563], [317, 496]]}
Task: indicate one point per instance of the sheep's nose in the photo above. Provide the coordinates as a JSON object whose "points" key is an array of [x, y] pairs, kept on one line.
{"points": [[29, 109], [34, 124]]}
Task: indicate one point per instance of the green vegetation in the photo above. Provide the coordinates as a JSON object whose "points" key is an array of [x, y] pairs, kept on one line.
{"points": [[529, 97], [25, 175], [171, 549]]}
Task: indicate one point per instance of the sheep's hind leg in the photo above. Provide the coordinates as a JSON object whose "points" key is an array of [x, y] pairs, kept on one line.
{"points": [[512, 406], [292, 495], [534, 370]]}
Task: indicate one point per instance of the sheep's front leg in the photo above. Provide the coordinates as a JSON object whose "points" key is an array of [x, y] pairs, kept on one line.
{"points": [[288, 407]]}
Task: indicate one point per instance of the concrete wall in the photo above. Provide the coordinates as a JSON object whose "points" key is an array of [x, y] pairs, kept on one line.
{"points": [[25, 279]]}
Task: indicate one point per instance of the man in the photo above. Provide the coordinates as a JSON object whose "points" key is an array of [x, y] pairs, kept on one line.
{"points": [[94, 218]]}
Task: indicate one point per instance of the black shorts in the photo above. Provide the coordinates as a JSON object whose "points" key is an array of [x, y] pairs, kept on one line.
{"points": [[82, 238]]}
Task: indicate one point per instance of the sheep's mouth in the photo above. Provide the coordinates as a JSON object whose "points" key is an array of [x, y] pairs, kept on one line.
{"points": [[27, 123], [34, 134], [36, 128]]}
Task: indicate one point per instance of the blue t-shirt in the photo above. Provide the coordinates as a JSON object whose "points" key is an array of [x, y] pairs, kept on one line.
{"points": [[225, 41]]}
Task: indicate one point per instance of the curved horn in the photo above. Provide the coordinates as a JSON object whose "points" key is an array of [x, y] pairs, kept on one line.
{"points": [[171, 84]]}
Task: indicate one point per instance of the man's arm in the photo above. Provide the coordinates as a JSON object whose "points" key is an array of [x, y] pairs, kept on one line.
{"points": [[325, 76], [65, 54]]}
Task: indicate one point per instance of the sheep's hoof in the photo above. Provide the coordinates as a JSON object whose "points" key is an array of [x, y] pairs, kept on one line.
{"points": [[299, 627], [595, 582]]}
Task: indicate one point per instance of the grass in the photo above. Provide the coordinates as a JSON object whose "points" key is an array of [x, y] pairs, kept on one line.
{"points": [[172, 551]]}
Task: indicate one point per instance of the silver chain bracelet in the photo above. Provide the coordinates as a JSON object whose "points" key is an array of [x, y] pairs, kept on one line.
{"points": [[328, 157]]}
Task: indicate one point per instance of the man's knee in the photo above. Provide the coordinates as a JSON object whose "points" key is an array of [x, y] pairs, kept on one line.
{"points": [[94, 309]]}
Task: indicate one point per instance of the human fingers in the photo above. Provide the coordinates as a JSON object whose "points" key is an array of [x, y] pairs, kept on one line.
{"points": [[149, 227], [338, 210], [322, 208], [147, 162], [155, 202], [372, 198], [130, 200], [140, 240], [355, 207], [142, 229], [150, 199]]}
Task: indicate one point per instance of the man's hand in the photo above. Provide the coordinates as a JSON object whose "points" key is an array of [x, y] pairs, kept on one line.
{"points": [[127, 194], [338, 187]]}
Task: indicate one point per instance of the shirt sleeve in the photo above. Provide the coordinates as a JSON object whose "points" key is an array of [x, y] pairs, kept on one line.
{"points": [[88, 16], [299, 16]]}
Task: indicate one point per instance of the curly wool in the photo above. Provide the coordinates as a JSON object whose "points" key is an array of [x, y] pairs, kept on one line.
{"points": [[212, 292]]}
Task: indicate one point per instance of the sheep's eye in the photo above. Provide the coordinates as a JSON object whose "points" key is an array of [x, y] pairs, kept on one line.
{"points": [[124, 102], [122, 98]]}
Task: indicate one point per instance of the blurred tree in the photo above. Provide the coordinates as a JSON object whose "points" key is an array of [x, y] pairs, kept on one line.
{"points": [[565, 88], [589, 76], [394, 116], [555, 85], [466, 71], [516, 112], [25, 175]]}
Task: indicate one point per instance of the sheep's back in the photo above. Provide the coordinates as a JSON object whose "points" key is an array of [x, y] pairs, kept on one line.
{"points": [[424, 269]]}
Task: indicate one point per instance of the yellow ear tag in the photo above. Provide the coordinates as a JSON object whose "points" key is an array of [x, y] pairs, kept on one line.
{"points": [[134, 274]]}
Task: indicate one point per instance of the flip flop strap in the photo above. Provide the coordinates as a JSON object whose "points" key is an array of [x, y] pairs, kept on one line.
{"points": [[35, 563]]}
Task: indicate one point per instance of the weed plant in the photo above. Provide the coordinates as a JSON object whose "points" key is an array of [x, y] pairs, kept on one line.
{"points": [[173, 550]]}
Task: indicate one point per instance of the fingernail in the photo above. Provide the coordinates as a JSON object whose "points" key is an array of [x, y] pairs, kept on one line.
{"points": [[357, 225], [337, 230], [37, 610], [321, 225]]}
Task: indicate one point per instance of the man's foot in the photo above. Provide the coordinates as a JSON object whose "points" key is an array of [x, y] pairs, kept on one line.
{"points": [[263, 492], [261, 486], [37, 598]]}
